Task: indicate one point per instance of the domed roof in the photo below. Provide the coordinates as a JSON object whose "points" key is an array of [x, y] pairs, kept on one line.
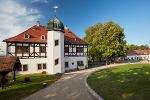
{"points": [[55, 25]]}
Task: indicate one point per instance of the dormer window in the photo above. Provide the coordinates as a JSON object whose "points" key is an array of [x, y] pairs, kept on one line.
{"points": [[42, 37], [26, 36], [76, 39]]}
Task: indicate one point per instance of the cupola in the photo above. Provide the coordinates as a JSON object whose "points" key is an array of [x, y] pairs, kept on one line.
{"points": [[55, 25]]}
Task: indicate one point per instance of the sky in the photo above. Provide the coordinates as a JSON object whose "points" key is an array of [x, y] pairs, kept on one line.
{"points": [[17, 16]]}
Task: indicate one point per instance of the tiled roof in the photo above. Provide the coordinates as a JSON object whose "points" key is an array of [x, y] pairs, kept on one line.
{"points": [[36, 32], [70, 38], [7, 63], [139, 52]]}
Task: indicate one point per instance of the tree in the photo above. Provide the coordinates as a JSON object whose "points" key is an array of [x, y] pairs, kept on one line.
{"points": [[135, 47], [106, 40]]}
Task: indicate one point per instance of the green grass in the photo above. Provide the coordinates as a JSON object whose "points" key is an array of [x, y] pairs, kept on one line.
{"points": [[127, 82], [18, 89]]}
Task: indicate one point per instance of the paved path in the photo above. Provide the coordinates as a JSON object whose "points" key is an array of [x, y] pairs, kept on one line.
{"points": [[70, 87]]}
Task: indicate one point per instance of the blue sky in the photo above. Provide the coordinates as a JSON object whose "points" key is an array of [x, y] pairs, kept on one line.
{"points": [[17, 16]]}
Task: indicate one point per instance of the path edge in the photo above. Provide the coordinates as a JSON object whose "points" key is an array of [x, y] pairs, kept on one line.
{"points": [[94, 94]]}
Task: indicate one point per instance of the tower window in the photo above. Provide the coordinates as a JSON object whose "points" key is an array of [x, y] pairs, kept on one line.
{"points": [[26, 36], [56, 61], [42, 37], [56, 42]]}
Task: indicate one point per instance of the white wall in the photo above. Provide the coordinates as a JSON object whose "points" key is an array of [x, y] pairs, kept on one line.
{"points": [[32, 65], [139, 56], [55, 52], [74, 60]]}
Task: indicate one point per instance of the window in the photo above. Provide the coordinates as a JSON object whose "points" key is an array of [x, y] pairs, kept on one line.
{"points": [[56, 61], [76, 39], [79, 49], [42, 49], [44, 66], [66, 64], [72, 63], [56, 42], [26, 36], [66, 49], [41, 66], [21, 48], [23, 68], [80, 63], [42, 37], [26, 49]]}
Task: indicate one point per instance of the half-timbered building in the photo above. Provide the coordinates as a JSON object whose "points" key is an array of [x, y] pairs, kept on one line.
{"points": [[48, 48]]}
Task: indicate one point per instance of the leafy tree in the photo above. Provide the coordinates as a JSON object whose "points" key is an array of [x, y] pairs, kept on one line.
{"points": [[135, 47], [106, 40]]}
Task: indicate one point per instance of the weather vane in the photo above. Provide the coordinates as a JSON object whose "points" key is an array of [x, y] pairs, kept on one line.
{"points": [[55, 9]]}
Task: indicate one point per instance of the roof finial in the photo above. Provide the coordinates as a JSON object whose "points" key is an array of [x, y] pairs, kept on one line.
{"points": [[55, 9]]}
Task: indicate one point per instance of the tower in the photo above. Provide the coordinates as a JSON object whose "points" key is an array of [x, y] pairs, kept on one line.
{"points": [[55, 41]]}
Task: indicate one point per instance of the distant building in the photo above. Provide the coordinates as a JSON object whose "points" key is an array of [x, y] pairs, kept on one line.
{"points": [[48, 48], [138, 55]]}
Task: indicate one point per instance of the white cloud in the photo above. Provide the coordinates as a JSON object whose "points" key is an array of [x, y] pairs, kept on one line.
{"points": [[44, 1], [16, 17]]}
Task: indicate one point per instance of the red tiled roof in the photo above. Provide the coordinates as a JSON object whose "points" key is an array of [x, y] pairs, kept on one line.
{"points": [[36, 32], [138, 52], [7, 63], [70, 38]]}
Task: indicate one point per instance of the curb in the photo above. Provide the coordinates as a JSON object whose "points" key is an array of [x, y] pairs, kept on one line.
{"points": [[89, 88]]}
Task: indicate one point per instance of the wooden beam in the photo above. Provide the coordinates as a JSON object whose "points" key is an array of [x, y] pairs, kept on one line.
{"points": [[14, 76], [2, 80]]}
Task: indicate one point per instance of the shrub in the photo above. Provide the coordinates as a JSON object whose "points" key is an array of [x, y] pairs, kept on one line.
{"points": [[44, 72], [27, 79]]}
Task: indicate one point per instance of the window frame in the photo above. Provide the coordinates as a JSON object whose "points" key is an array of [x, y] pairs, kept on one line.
{"points": [[22, 49], [42, 64], [22, 68], [80, 63], [67, 64], [67, 50], [55, 42], [27, 36], [55, 61], [42, 49], [42, 38], [79, 49]]}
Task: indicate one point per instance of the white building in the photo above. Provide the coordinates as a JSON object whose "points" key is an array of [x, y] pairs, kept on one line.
{"points": [[48, 48], [138, 55]]}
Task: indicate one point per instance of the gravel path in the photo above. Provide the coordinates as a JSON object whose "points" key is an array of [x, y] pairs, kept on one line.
{"points": [[70, 87]]}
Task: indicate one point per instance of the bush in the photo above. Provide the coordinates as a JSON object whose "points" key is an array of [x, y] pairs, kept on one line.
{"points": [[27, 79], [44, 72]]}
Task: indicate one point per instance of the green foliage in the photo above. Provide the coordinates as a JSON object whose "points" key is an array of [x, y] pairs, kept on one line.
{"points": [[127, 82], [135, 47], [19, 89], [106, 40]]}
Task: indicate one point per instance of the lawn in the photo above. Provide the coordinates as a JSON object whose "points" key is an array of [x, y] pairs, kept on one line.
{"points": [[126, 82], [18, 89]]}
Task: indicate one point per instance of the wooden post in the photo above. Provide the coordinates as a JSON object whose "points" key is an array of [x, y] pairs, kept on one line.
{"points": [[14, 76], [2, 80]]}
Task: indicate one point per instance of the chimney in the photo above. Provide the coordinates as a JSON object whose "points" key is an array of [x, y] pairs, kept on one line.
{"points": [[38, 24], [66, 27]]}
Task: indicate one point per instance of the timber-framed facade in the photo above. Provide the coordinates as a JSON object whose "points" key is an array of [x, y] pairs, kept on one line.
{"points": [[26, 50]]}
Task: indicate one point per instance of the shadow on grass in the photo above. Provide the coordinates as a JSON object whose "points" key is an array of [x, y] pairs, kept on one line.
{"points": [[117, 84]]}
